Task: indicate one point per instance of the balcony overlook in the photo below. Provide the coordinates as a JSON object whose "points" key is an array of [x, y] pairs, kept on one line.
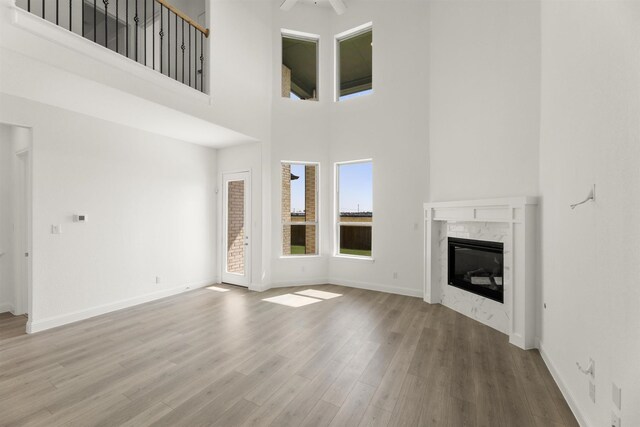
{"points": [[170, 38]]}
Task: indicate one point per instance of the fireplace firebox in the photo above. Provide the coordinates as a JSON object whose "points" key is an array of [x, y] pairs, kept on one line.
{"points": [[477, 266]]}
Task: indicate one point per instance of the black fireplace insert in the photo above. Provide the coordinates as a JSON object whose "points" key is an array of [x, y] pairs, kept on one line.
{"points": [[477, 266]]}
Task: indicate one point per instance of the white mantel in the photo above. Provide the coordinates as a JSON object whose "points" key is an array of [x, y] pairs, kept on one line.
{"points": [[517, 217]]}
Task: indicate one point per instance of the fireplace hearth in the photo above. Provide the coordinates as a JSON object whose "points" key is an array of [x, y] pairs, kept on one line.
{"points": [[510, 308], [477, 266]]}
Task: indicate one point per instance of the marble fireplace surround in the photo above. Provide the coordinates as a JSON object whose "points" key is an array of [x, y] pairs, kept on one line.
{"points": [[511, 221]]}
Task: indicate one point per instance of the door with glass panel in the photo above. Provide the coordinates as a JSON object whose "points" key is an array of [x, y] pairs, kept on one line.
{"points": [[236, 264]]}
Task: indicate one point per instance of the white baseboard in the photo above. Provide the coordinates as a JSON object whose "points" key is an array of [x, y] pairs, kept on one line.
{"points": [[303, 282], [342, 282], [378, 287], [6, 307], [575, 408], [38, 325]]}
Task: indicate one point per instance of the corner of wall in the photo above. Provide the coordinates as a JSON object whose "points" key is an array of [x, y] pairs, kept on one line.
{"points": [[573, 405]]}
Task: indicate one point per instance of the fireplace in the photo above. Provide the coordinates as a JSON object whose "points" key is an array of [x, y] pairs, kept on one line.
{"points": [[477, 266]]}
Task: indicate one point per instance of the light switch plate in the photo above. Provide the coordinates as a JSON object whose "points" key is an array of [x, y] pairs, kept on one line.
{"points": [[592, 391], [616, 396], [56, 229]]}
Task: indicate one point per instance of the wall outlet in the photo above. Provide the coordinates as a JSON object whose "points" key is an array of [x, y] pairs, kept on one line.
{"points": [[79, 218], [157, 280], [616, 395], [592, 391], [395, 275], [615, 420], [56, 229]]}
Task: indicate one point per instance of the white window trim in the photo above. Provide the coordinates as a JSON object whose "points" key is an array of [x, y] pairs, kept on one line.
{"points": [[336, 213], [293, 34], [336, 55], [316, 222]]}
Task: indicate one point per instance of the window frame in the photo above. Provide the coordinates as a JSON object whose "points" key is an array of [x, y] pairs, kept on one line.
{"points": [[338, 223], [284, 223], [345, 35], [309, 37]]}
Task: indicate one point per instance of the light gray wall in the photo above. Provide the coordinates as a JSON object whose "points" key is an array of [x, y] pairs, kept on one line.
{"points": [[390, 126], [590, 134], [150, 202], [484, 99]]}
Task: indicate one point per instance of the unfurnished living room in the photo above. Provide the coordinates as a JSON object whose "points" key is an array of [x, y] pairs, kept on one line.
{"points": [[320, 212]]}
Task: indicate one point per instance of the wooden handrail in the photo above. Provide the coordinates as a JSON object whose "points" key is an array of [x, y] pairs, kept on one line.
{"points": [[184, 16]]}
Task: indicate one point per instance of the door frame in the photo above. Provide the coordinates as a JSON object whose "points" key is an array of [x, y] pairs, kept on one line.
{"points": [[22, 210], [24, 154], [245, 280]]}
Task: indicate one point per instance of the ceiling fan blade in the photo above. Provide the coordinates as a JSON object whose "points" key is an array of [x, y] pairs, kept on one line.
{"points": [[338, 6], [287, 5]]}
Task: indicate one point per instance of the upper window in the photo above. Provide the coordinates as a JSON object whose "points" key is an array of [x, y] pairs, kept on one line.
{"points": [[299, 208], [355, 208], [354, 62], [299, 65]]}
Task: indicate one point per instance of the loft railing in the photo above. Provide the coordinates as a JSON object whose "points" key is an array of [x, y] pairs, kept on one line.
{"points": [[150, 32]]}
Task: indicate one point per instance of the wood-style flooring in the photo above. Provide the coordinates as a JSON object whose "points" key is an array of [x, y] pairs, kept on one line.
{"points": [[229, 359], [12, 326]]}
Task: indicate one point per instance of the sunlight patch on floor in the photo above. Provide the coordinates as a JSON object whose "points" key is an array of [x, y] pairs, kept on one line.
{"points": [[318, 294], [217, 289], [292, 300]]}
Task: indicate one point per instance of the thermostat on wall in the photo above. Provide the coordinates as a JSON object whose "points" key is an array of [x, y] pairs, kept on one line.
{"points": [[79, 218]]}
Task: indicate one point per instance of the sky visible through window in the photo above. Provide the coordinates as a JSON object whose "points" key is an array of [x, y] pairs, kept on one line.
{"points": [[297, 188], [355, 95], [356, 184]]}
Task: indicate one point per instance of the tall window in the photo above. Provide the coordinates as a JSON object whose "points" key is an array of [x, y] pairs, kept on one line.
{"points": [[299, 65], [354, 62], [299, 208], [355, 208]]}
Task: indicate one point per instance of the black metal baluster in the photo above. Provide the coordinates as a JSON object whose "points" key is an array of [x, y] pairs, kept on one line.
{"points": [[82, 6], [182, 47], [28, 5], [95, 19], [57, 12], [70, 16], [161, 35], [126, 30], [202, 62], [190, 50], [44, 15], [175, 48], [106, 21], [145, 31], [136, 20], [168, 42], [117, 22], [153, 33], [195, 56]]}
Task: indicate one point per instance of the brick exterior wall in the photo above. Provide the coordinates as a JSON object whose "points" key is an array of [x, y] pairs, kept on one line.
{"points": [[235, 227], [286, 209], [310, 208], [286, 82]]}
